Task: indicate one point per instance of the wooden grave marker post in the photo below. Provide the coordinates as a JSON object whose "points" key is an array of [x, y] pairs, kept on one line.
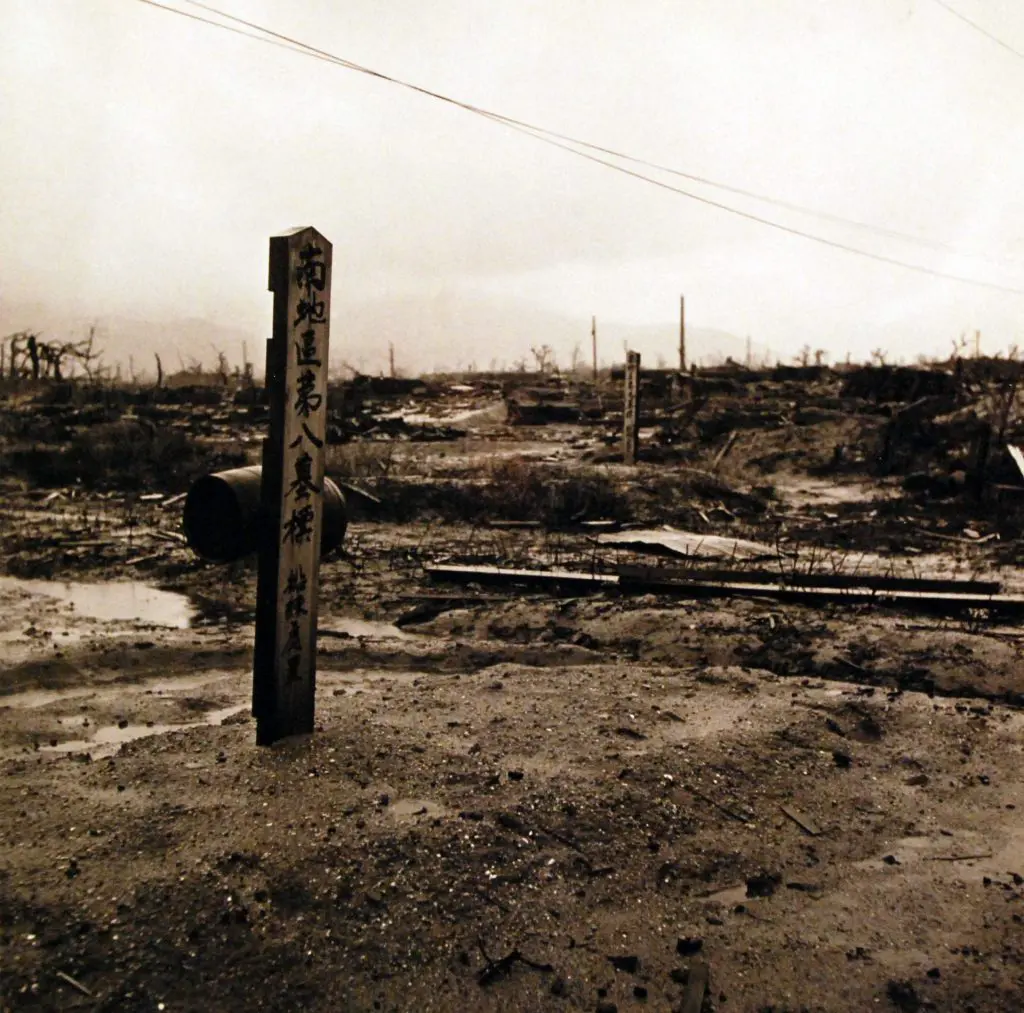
{"points": [[631, 409], [291, 488]]}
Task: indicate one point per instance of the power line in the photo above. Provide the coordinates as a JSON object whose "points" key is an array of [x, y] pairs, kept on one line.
{"points": [[563, 142], [978, 28], [835, 244], [289, 42]]}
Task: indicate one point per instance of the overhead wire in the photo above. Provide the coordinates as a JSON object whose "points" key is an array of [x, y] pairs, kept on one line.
{"points": [[572, 145], [568, 139], [978, 28]]}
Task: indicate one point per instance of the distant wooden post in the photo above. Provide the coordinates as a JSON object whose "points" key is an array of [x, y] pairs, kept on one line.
{"points": [[391, 358], [593, 343], [631, 409], [682, 334], [982, 450], [291, 491]]}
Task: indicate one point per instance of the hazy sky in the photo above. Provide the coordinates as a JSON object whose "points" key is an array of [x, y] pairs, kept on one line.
{"points": [[145, 159]]}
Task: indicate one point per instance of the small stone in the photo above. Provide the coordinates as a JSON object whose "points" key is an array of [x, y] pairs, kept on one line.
{"points": [[628, 963], [764, 884], [687, 946], [903, 996]]}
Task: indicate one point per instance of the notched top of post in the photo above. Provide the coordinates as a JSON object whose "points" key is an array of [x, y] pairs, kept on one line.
{"points": [[282, 242]]}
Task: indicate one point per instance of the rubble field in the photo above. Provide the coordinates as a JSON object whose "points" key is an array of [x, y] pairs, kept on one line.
{"points": [[736, 729]]}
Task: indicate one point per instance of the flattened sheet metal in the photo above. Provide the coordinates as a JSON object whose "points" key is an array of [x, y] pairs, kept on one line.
{"points": [[689, 544]]}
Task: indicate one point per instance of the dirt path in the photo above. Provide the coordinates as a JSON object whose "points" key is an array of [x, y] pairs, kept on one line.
{"points": [[572, 780]]}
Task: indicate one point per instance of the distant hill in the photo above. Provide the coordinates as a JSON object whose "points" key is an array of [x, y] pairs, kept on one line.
{"points": [[428, 334]]}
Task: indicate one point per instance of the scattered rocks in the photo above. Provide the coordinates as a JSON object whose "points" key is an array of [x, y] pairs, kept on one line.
{"points": [[628, 963], [764, 884], [687, 946], [903, 996]]}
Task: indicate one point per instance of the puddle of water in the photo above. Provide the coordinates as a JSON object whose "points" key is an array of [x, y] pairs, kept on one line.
{"points": [[108, 740], [33, 698], [113, 601], [365, 628]]}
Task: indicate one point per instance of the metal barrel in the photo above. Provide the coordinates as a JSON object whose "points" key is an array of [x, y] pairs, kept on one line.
{"points": [[222, 515]]}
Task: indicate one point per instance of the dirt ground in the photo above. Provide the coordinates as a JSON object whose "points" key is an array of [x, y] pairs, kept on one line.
{"points": [[513, 800]]}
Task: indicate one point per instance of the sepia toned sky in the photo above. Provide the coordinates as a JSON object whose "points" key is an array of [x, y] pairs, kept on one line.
{"points": [[145, 159]]}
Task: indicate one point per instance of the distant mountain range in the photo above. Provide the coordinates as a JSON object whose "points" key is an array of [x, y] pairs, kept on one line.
{"points": [[428, 335]]}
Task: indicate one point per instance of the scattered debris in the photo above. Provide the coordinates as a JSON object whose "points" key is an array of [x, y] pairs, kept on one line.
{"points": [[696, 985], [496, 969], [630, 963], [74, 983], [764, 884], [807, 825], [685, 543]]}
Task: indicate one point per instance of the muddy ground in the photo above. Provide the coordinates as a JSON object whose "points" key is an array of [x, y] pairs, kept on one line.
{"points": [[514, 800]]}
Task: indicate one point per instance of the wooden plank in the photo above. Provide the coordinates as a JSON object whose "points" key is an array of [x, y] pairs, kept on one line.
{"points": [[291, 491], [503, 575], [807, 825], [932, 600], [708, 589], [881, 582]]}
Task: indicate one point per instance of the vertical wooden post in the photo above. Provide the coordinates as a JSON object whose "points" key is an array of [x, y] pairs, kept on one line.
{"points": [[391, 358], [631, 409], [682, 334], [593, 344], [291, 490], [982, 449]]}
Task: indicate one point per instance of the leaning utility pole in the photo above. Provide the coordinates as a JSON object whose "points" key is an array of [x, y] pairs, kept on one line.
{"points": [[682, 334], [593, 344]]}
